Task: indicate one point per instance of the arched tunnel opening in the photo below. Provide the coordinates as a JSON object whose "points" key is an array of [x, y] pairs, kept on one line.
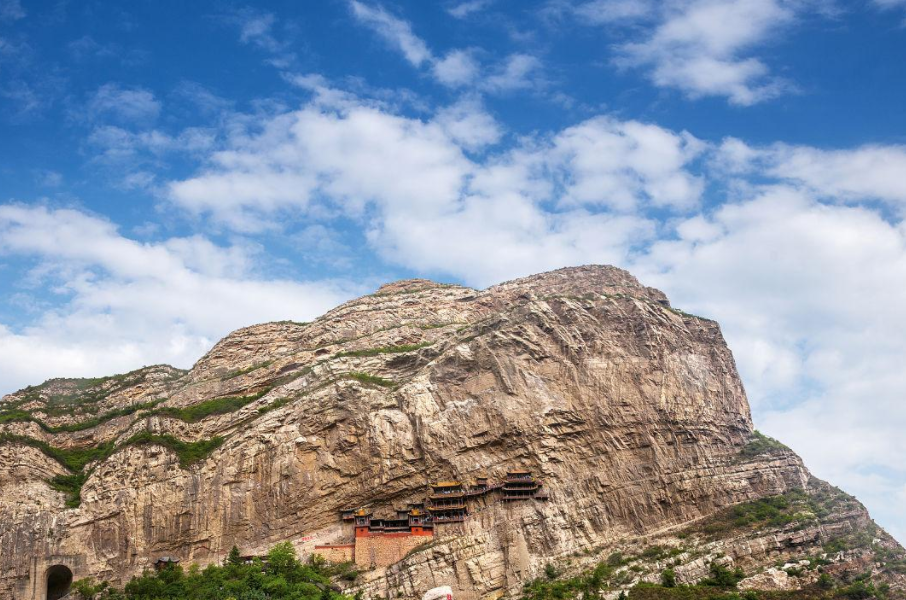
{"points": [[59, 579]]}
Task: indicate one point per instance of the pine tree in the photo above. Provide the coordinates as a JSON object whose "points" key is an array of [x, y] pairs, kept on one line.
{"points": [[234, 558]]}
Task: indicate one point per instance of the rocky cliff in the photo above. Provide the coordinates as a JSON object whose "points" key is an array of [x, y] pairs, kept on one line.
{"points": [[630, 411]]}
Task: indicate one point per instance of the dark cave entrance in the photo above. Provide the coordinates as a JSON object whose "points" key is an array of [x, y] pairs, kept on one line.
{"points": [[59, 578]]}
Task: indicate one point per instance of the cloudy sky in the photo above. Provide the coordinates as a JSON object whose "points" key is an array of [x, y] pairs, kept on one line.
{"points": [[170, 171]]}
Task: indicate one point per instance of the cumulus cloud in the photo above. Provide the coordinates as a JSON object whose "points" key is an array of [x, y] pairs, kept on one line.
{"points": [[469, 125], [810, 297], [867, 172], [123, 303], [410, 175], [516, 73], [457, 68], [700, 47]]}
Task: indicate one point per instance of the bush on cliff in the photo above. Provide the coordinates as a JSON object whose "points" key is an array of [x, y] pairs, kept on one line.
{"points": [[280, 576]]}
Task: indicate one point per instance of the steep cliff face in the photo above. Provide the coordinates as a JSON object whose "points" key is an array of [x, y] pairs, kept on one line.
{"points": [[631, 412]]}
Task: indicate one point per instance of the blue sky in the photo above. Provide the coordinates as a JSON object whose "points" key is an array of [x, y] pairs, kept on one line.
{"points": [[171, 171]]}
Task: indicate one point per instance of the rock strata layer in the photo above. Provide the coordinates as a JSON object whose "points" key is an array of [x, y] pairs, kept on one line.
{"points": [[630, 411]]}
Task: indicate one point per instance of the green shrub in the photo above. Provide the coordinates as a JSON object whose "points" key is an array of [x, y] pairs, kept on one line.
{"points": [[723, 577], [668, 578], [71, 485], [761, 444], [254, 367], [21, 415], [281, 576], [383, 350], [616, 559], [371, 379], [188, 452], [280, 402], [214, 406]]}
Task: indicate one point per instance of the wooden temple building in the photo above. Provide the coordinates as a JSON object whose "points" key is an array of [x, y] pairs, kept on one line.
{"points": [[521, 485], [380, 542], [447, 502]]}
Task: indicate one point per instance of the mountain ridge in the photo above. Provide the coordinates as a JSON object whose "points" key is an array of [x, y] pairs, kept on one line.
{"points": [[631, 410]]}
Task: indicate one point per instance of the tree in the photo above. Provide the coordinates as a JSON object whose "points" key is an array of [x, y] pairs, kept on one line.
{"points": [[668, 578], [721, 576], [281, 559], [88, 589], [233, 558]]}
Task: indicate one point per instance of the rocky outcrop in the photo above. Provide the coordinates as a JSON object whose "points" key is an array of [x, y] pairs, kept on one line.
{"points": [[631, 412]]}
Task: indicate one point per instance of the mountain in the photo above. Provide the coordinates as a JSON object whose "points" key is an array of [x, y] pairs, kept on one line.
{"points": [[626, 417]]}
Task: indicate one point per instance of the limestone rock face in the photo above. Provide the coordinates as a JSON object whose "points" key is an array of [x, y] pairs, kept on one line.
{"points": [[631, 412]]}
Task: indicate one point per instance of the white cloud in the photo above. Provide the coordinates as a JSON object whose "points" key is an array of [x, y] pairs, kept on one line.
{"points": [[122, 303], [415, 183], [515, 74], [810, 297], [467, 124], [464, 9], [457, 68], [625, 164], [124, 104], [701, 47], [874, 172], [395, 31]]}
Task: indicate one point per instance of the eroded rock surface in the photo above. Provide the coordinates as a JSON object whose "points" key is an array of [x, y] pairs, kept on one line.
{"points": [[631, 412]]}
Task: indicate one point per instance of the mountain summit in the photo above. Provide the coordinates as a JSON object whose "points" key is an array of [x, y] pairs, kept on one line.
{"points": [[434, 435]]}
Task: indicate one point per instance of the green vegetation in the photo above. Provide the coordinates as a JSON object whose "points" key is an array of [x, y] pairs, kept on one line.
{"points": [[21, 415], [761, 444], [723, 577], [76, 459], [279, 403], [434, 325], [893, 561], [254, 367], [795, 506], [383, 350], [214, 406], [668, 578], [188, 452], [84, 394], [721, 585], [371, 379], [280, 576], [71, 485], [586, 585]]}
